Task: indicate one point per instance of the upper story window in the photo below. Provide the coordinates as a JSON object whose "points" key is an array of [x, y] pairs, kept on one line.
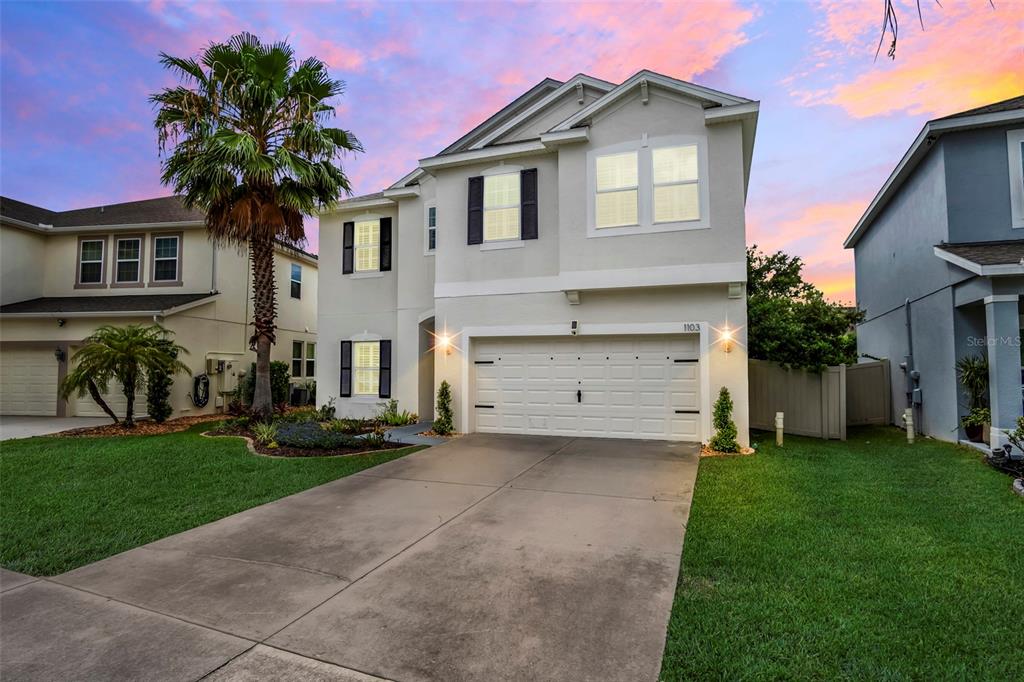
{"points": [[617, 190], [296, 281], [676, 184], [90, 261], [128, 260], [1015, 152], [501, 207], [431, 228], [366, 365], [367, 245], [166, 259]]}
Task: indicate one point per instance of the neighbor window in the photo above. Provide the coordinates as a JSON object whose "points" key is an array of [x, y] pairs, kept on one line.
{"points": [[128, 265], [296, 358], [366, 364], [165, 258], [1015, 151], [501, 207], [310, 359], [431, 228], [367, 245], [296, 281], [616, 184], [90, 261], [676, 186]]}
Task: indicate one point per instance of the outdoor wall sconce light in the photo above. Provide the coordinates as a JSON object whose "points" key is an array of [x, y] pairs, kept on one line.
{"points": [[59, 354], [444, 342], [726, 339]]}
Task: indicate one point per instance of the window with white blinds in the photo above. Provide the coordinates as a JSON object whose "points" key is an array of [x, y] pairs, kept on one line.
{"points": [[366, 367], [367, 245], [676, 184], [501, 207], [617, 183]]}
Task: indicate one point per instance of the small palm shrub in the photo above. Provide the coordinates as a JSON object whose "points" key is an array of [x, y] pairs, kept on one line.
{"points": [[724, 439], [390, 416], [444, 423], [264, 432]]}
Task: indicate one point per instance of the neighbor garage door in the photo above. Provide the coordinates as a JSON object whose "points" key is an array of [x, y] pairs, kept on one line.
{"points": [[617, 387], [28, 382]]}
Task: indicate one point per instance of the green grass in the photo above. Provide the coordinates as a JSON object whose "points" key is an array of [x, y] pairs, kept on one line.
{"points": [[869, 559], [66, 502]]}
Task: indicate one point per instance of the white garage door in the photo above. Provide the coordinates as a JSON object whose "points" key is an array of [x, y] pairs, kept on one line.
{"points": [[604, 386], [28, 382]]}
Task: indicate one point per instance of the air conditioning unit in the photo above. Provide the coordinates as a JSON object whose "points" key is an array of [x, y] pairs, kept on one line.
{"points": [[214, 366]]}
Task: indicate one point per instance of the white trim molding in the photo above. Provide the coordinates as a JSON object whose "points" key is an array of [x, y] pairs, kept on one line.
{"points": [[1015, 152], [402, 192], [1001, 298], [977, 268]]}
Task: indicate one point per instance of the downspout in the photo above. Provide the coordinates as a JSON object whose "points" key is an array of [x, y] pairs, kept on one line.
{"points": [[913, 377], [213, 268]]}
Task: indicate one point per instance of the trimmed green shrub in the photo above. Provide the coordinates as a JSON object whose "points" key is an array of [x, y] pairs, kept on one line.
{"points": [[310, 436], [389, 415], [724, 439], [158, 387], [444, 423], [264, 433], [350, 426], [280, 383]]}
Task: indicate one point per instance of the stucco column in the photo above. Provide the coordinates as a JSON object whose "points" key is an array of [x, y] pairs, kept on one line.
{"points": [[1002, 329]]}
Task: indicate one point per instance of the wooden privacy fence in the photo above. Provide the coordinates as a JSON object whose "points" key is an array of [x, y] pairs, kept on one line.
{"points": [[819, 405]]}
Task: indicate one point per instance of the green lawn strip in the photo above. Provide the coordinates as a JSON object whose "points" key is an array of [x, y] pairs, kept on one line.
{"points": [[66, 502], [868, 559]]}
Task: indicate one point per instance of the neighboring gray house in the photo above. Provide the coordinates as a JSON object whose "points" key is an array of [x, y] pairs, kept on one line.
{"points": [[940, 266], [573, 265]]}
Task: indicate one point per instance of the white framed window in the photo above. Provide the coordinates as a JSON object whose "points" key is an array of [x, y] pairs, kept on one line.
{"points": [[616, 191], [310, 359], [366, 368], [430, 228], [676, 190], [90, 261], [366, 242], [128, 260], [166, 257], [501, 207], [297, 358], [1015, 153], [296, 281]]}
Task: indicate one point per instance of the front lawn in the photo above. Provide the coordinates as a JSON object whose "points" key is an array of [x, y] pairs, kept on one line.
{"points": [[66, 502], [869, 559]]}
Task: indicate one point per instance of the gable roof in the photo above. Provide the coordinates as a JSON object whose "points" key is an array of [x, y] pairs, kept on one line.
{"points": [[125, 304], [162, 210], [985, 258], [998, 113]]}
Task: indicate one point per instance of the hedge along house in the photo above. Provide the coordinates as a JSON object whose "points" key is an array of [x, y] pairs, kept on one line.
{"points": [[573, 265], [65, 273]]}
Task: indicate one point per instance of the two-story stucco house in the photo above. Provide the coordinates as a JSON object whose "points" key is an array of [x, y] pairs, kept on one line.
{"points": [[65, 273], [940, 267], [573, 265]]}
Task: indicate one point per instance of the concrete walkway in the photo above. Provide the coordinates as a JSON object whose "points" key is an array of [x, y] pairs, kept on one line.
{"points": [[489, 557], [26, 427]]}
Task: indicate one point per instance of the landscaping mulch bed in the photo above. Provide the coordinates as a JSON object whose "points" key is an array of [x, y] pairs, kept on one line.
{"points": [[143, 428], [285, 451], [705, 451]]}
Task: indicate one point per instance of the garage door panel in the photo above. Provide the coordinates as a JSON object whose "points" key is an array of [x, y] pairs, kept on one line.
{"points": [[28, 382]]}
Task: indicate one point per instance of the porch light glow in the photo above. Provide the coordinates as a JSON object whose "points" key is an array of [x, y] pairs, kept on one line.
{"points": [[444, 342], [725, 338]]}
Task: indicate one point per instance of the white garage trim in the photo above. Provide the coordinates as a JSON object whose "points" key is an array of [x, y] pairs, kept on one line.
{"points": [[468, 334]]}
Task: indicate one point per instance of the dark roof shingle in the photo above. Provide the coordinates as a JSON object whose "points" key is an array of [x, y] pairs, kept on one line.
{"points": [[26, 213], [141, 303], [1011, 104], [147, 211], [1009, 252]]}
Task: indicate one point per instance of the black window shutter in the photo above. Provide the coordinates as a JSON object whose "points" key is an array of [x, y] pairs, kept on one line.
{"points": [[385, 369], [347, 251], [346, 369], [528, 204], [476, 210], [385, 244]]}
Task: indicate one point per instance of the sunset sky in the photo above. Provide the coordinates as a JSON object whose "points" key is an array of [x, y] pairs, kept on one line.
{"points": [[76, 127]]}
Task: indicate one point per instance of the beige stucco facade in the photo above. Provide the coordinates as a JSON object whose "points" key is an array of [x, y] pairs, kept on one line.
{"points": [[654, 280], [40, 262]]}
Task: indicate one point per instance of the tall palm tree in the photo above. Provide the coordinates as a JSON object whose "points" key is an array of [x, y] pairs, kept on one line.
{"points": [[252, 149], [127, 355]]}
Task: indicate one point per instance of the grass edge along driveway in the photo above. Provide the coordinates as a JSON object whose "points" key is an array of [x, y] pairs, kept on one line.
{"points": [[869, 559], [67, 502]]}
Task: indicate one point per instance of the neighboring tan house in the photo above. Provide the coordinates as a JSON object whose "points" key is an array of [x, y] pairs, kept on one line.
{"points": [[940, 267], [573, 265], [65, 273]]}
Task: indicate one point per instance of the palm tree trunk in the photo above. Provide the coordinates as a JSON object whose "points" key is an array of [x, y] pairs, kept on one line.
{"points": [[264, 294], [94, 393], [128, 388]]}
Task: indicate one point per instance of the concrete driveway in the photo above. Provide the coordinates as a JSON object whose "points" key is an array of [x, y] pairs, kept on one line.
{"points": [[26, 427], [489, 557]]}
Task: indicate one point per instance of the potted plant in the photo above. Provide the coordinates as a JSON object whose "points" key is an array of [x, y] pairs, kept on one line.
{"points": [[972, 370]]}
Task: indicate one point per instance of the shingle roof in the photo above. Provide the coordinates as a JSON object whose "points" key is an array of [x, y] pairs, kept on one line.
{"points": [[361, 197], [160, 210], [1011, 104], [147, 304], [1009, 252]]}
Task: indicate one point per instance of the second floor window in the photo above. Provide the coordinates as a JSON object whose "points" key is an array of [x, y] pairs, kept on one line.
{"points": [[366, 366], [431, 228], [676, 187], [90, 261], [128, 268], [501, 207], [367, 245], [617, 184], [165, 258], [296, 281]]}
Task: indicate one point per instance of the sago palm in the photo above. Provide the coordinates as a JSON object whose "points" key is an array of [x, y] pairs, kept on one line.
{"points": [[126, 355], [249, 144]]}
